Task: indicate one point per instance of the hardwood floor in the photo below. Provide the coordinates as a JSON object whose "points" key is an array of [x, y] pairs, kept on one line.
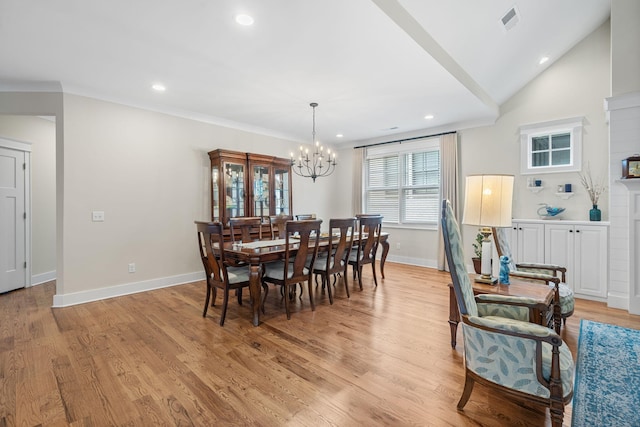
{"points": [[381, 357]]}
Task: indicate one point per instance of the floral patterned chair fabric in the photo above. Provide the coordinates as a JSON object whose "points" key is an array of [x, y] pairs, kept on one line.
{"points": [[522, 359], [546, 273]]}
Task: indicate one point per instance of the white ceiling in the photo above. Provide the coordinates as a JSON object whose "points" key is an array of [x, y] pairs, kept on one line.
{"points": [[376, 67]]}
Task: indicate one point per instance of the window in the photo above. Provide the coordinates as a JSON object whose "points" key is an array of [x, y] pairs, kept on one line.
{"points": [[551, 146], [402, 182]]}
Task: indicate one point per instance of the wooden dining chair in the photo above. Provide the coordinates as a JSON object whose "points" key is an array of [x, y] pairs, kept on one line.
{"points": [[336, 259], [296, 266], [219, 273], [278, 229], [369, 228], [247, 228], [303, 217]]}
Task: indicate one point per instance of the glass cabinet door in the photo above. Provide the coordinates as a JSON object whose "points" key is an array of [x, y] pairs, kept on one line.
{"points": [[215, 193], [234, 190], [281, 192], [261, 190]]}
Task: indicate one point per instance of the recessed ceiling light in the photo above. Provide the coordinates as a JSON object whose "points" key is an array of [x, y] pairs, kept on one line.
{"points": [[429, 116], [159, 87], [543, 60], [244, 19], [339, 135]]}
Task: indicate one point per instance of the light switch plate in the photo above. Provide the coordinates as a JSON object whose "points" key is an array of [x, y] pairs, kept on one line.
{"points": [[97, 216]]}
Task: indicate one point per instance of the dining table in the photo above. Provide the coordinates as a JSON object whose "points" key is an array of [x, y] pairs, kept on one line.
{"points": [[259, 252]]}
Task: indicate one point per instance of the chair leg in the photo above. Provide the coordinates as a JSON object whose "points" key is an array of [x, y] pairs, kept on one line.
{"points": [[224, 306], [326, 279], [346, 284], [286, 301], [206, 301], [313, 306], [264, 297], [557, 415], [466, 393], [360, 276], [239, 294], [373, 268]]}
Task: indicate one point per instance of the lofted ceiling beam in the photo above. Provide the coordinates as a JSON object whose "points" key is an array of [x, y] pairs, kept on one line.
{"points": [[398, 14]]}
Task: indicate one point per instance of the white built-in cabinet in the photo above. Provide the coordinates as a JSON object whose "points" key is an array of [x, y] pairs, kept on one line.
{"points": [[580, 246], [527, 241]]}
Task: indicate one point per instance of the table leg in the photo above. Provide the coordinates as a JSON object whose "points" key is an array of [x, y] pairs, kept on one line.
{"points": [[255, 292], [454, 316], [383, 258]]}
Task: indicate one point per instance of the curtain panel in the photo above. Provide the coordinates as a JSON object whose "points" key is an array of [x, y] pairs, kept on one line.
{"points": [[448, 183]]}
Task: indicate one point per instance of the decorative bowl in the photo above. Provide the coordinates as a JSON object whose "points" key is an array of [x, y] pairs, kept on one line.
{"points": [[547, 211]]}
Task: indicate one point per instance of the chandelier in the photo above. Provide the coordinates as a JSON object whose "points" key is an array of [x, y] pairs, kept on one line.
{"points": [[315, 164]]}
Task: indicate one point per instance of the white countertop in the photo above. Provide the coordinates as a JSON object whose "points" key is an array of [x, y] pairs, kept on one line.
{"points": [[560, 220]]}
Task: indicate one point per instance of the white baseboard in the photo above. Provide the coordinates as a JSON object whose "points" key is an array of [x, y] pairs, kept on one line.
{"points": [[431, 263], [39, 279], [65, 300]]}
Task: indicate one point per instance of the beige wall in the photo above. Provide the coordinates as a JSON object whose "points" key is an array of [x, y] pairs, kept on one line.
{"points": [[41, 133], [625, 46], [575, 85], [149, 173]]}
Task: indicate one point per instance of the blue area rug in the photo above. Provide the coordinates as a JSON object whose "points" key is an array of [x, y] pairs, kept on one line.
{"points": [[607, 381]]}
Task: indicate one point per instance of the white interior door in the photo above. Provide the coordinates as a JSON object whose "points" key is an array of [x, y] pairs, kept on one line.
{"points": [[13, 224]]}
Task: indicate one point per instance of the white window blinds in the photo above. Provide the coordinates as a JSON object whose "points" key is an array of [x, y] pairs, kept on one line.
{"points": [[402, 181]]}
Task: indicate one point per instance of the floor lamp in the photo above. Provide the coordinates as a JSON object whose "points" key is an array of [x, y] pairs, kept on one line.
{"points": [[487, 203]]}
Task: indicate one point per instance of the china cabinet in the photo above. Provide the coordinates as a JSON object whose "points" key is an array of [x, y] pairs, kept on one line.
{"points": [[247, 184]]}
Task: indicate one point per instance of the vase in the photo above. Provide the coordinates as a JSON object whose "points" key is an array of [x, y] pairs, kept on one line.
{"points": [[595, 214]]}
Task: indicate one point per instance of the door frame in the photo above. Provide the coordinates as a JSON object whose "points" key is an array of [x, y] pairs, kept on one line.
{"points": [[25, 147]]}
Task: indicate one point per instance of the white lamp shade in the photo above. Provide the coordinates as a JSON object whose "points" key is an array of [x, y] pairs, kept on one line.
{"points": [[488, 200]]}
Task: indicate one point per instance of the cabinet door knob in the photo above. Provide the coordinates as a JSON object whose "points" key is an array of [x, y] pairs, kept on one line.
{"points": [[577, 231], [570, 231]]}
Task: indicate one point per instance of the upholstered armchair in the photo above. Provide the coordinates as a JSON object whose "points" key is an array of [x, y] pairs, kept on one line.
{"points": [[551, 274], [501, 350]]}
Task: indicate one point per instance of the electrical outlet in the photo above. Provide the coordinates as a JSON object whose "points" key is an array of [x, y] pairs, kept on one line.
{"points": [[132, 267], [97, 216], [397, 245]]}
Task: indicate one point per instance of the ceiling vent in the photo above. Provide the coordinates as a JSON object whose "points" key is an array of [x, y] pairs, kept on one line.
{"points": [[510, 19]]}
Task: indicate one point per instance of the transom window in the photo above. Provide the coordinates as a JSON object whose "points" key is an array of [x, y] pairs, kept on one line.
{"points": [[551, 146], [402, 181]]}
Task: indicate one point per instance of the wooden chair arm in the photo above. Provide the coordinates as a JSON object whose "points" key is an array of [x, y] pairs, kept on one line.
{"points": [[507, 300], [515, 328], [549, 267], [527, 275]]}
